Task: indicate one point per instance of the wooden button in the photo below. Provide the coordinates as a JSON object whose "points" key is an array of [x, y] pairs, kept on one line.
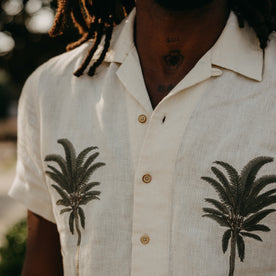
{"points": [[145, 239], [142, 118], [146, 178]]}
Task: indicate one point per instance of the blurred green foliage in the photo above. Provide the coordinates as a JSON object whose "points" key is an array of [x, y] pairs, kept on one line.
{"points": [[13, 252], [31, 48]]}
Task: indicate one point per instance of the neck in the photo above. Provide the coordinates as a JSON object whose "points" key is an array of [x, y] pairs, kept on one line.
{"points": [[170, 43]]}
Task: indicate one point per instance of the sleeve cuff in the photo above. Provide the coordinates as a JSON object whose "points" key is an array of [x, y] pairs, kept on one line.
{"points": [[20, 192]]}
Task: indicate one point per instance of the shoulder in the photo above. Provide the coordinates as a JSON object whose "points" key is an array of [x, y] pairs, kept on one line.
{"points": [[60, 66], [63, 66], [55, 78]]}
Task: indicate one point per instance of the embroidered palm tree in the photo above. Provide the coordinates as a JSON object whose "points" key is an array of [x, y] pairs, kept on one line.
{"points": [[72, 184], [241, 205]]}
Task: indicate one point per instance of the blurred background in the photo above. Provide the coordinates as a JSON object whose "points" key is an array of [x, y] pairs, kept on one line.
{"points": [[24, 45]]}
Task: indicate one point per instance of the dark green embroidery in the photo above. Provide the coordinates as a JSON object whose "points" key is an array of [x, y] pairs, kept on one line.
{"points": [[73, 184], [241, 204]]}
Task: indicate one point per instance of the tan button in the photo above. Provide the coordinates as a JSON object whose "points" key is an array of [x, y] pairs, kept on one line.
{"points": [[142, 118], [145, 239], [146, 178]]}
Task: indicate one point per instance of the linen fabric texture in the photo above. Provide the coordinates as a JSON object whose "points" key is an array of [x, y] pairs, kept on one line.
{"points": [[222, 110]]}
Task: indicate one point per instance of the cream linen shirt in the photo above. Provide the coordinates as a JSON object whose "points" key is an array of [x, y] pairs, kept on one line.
{"points": [[148, 219]]}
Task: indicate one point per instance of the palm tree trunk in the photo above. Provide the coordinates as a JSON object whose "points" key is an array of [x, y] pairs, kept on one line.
{"points": [[77, 258], [232, 253]]}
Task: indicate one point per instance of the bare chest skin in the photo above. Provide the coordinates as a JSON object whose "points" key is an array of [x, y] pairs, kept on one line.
{"points": [[169, 44], [175, 67]]}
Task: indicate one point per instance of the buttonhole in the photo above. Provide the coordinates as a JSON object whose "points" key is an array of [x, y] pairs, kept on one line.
{"points": [[164, 119]]}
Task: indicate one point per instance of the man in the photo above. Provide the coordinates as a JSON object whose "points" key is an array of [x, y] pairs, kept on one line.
{"points": [[119, 167]]}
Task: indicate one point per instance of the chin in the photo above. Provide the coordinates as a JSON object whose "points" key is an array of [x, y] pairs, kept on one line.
{"points": [[177, 5]]}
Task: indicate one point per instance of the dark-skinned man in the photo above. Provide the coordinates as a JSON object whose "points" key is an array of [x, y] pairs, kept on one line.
{"points": [[147, 160]]}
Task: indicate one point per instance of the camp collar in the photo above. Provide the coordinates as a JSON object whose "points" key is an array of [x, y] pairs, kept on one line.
{"points": [[237, 49]]}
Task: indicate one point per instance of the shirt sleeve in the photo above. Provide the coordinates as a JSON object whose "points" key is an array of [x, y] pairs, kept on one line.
{"points": [[29, 186]]}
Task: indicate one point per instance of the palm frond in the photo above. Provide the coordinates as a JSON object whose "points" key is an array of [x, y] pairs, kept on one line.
{"points": [[89, 196], [234, 189], [87, 187], [59, 178], [90, 160], [83, 169], [59, 160], [260, 203], [82, 217], [92, 193], [64, 202], [241, 247], [219, 189], [266, 194], [250, 235], [70, 154], [82, 156], [233, 174], [254, 219], [221, 220], [212, 211], [62, 193], [57, 172], [65, 210], [224, 181], [249, 172], [260, 184], [55, 177], [220, 206], [257, 227], [255, 202], [85, 177], [225, 240], [85, 200], [71, 222]]}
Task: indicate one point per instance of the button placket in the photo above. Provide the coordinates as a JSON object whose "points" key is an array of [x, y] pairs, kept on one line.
{"points": [[152, 204], [147, 205]]}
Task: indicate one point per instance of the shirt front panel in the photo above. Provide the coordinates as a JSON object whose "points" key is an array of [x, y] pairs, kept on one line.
{"points": [[89, 117], [129, 149], [225, 127]]}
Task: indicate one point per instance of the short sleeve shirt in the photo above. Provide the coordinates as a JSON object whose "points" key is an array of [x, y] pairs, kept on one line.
{"points": [[163, 192]]}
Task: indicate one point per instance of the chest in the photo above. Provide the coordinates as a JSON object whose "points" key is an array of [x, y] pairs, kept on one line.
{"points": [[152, 195]]}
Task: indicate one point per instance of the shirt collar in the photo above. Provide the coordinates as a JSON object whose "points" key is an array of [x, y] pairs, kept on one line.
{"points": [[237, 49]]}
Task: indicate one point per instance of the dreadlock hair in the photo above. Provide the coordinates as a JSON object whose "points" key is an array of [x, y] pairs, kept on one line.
{"points": [[96, 19]]}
